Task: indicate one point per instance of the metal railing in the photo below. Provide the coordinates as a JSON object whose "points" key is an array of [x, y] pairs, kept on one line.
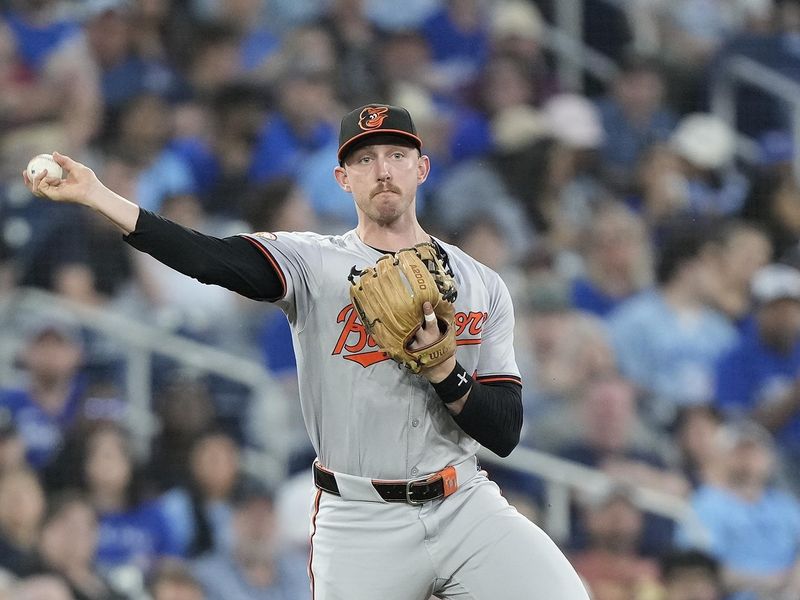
{"points": [[564, 38], [562, 478], [742, 70], [140, 343]]}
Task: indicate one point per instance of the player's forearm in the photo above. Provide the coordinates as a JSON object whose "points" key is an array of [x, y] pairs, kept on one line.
{"points": [[120, 211], [492, 415]]}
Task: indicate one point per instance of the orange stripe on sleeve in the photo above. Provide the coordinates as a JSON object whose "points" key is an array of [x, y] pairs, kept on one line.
{"points": [[498, 378], [268, 255]]}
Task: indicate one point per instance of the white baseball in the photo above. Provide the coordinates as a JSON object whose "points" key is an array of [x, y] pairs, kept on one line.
{"points": [[40, 162]]}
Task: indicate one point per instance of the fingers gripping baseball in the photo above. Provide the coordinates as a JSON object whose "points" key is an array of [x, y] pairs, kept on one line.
{"points": [[74, 187]]}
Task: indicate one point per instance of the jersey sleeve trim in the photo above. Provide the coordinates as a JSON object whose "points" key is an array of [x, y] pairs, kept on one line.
{"points": [[498, 379], [274, 263]]}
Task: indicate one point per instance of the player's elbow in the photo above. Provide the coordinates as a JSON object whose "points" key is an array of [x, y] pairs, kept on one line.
{"points": [[506, 444]]}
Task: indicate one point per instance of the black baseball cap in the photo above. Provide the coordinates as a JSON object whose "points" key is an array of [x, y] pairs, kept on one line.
{"points": [[366, 122]]}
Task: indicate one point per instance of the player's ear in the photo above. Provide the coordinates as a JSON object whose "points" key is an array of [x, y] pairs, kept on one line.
{"points": [[423, 168], [340, 174]]}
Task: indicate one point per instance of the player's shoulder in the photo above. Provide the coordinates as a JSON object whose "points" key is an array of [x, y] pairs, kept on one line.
{"points": [[467, 267], [305, 238]]}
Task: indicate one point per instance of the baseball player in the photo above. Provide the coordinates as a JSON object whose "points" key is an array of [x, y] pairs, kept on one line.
{"points": [[402, 511]]}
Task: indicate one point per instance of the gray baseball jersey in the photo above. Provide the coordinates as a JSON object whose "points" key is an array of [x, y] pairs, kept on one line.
{"points": [[364, 414], [368, 418]]}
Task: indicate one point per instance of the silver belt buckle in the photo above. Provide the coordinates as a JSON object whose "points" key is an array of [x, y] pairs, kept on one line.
{"points": [[410, 500]]}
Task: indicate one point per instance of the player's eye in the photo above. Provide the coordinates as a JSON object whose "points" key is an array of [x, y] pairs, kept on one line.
{"points": [[398, 155], [365, 159]]}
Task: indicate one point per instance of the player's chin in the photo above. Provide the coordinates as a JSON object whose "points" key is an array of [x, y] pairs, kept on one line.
{"points": [[386, 214]]}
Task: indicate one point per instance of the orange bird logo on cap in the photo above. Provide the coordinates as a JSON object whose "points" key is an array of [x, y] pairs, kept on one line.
{"points": [[372, 117]]}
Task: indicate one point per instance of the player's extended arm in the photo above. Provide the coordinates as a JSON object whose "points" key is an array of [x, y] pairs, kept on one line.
{"points": [[231, 262]]}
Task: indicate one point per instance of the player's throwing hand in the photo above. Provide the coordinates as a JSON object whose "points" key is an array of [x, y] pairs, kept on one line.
{"points": [[78, 186]]}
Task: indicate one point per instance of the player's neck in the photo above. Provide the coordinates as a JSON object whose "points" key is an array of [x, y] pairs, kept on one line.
{"points": [[391, 237]]}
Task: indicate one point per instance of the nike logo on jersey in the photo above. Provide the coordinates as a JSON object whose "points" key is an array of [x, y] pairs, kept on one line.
{"points": [[354, 344]]}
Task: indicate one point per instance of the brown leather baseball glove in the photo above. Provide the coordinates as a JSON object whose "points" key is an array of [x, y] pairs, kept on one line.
{"points": [[389, 299]]}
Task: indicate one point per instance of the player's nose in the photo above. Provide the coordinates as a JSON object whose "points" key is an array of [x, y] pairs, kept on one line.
{"points": [[382, 167]]}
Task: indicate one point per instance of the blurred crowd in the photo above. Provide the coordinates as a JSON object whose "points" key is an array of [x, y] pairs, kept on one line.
{"points": [[654, 272]]}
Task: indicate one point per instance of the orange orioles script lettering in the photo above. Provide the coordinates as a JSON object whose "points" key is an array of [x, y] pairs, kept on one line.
{"points": [[372, 117], [354, 344]]}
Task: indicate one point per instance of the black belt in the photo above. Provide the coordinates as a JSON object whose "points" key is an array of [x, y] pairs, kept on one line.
{"points": [[412, 491]]}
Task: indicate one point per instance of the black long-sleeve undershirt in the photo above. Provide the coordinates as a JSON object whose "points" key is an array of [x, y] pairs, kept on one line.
{"points": [[232, 262], [492, 414]]}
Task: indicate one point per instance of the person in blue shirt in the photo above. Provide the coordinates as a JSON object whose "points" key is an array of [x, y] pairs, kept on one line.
{"points": [[634, 116], [133, 532], [759, 378], [253, 568], [458, 35], [618, 261], [668, 340], [46, 407], [750, 525], [300, 127]]}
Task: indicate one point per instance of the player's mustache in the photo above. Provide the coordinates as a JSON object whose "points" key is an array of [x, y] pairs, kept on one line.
{"points": [[384, 187]]}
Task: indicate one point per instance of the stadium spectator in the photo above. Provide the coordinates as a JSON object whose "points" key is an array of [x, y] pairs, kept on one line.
{"points": [[301, 125], [612, 438], [213, 62], [668, 340], [55, 83], [574, 186], [516, 31], [184, 405], [618, 260], [358, 78], [635, 116], [743, 249], [659, 189], [109, 29], [567, 349], [752, 526], [79, 258], [133, 532], [774, 203], [258, 43], [706, 148], [690, 575], [22, 507], [146, 126], [200, 511], [758, 378], [49, 403], [459, 42], [695, 434], [173, 580], [68, 544], [611, 562], [253, 568]]}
